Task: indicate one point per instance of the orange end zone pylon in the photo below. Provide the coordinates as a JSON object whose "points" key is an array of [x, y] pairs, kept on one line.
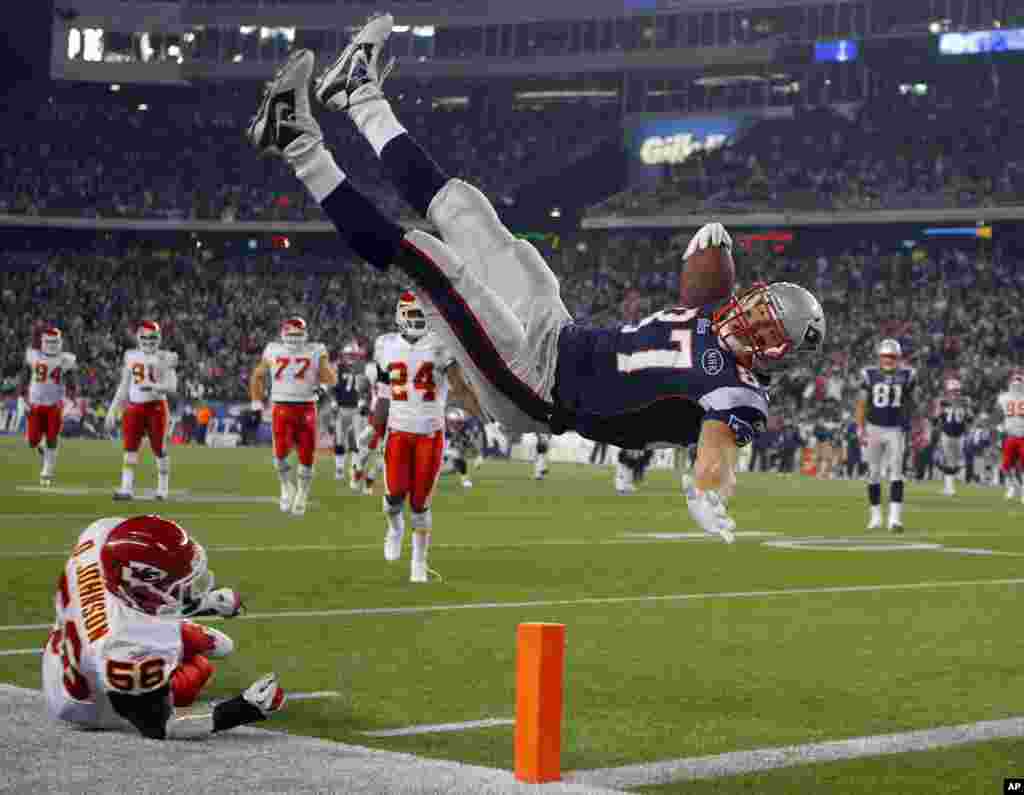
{"points": [[540, 665]]}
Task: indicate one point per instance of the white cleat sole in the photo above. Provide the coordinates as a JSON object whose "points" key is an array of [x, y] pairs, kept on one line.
{"points": [[375, 32]]}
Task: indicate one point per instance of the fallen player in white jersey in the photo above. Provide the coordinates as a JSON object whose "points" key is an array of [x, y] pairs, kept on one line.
{"points": [[122, 655]]}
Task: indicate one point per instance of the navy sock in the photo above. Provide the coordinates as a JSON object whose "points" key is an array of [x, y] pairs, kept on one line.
{"points": [[896, 491], [875, 493], [370, 233], [415, 174]]}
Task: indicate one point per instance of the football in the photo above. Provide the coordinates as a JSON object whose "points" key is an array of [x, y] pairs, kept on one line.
{"points": [[708, 276]]}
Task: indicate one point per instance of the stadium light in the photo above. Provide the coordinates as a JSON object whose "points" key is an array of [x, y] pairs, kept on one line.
{"points": [[143, 106], [399, 28], [556, 212], [115, 87], [237, 57], [423, 31]]}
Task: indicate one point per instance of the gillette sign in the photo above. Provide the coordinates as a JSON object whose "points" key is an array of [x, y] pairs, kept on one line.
{"points": [[655, 141], [676, 148]]}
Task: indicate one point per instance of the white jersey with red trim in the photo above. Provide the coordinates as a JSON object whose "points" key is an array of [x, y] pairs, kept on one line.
{"points": [[144, 372], [104, 645], [47, 386], [411, 374], [1012, 406], [294, 371]]}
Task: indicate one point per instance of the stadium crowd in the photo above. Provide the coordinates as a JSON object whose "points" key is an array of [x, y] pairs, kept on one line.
{"points": [[901, 152], [947, 307], [176, 161]]}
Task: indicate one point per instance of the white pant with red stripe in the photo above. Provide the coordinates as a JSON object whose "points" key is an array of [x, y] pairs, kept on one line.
{"points": [[505, 313]]}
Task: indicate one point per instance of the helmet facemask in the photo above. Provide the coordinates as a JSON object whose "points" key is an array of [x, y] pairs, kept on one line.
{"points": [[148, 337], [52, 342], [751, 327], [153, 591], [409, 317], [294, 333]]}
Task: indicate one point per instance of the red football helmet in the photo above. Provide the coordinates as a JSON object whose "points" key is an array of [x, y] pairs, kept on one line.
{"points": [[294, 332], [148, 336], [409, 316], [51, 342], [153, 565]]}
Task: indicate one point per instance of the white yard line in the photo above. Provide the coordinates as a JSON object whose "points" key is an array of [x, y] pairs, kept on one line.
{"points": [[433, 728], [743, 762], [596, 600], [17, 652], [316, 695]]}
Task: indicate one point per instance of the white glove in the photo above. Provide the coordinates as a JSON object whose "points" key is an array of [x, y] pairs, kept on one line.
{"points": [[708, 511], [224, 602], [265, 694], [257, 405], [712, 234]]}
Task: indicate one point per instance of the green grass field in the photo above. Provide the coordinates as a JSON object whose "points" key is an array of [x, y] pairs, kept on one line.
{"points": [[745, 647]]}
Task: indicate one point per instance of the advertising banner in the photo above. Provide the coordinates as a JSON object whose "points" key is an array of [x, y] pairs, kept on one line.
{"points": [[656, 143]]}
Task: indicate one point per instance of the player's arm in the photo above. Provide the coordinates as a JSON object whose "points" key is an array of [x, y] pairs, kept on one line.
{"points": [[328, 375], [379, 419], [861, 413], [153, 714], [258, 384], [168, 384], [119, 397], [715, 468], [714, 477], [462, 391]]}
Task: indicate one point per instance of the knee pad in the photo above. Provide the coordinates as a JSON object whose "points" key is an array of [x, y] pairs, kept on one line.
{"points": [[131, 459], [421, 520], [392, 505], [467, 220]]}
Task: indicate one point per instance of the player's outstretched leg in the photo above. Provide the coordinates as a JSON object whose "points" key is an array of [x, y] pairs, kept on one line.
{"points": [[513, 373], [466, 219]]}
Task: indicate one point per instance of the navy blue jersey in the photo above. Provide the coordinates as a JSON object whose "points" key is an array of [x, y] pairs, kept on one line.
{"points": [[655, 382], [888, 394], [351, 387], [955, 414]]}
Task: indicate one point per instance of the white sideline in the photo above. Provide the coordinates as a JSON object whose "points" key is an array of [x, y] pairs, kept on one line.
{"points": [[42, 756], [432, 728], [597, 600], [739, 763]]}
